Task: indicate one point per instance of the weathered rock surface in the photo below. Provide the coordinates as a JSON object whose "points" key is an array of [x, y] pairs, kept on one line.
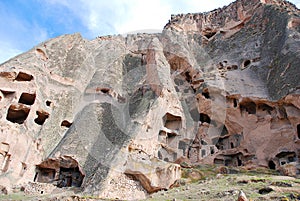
{"points": [[159, 174], [242, 196], [220, 87]]}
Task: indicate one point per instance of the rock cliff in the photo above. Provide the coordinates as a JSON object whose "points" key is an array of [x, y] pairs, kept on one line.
{"points": [[113, 114]]}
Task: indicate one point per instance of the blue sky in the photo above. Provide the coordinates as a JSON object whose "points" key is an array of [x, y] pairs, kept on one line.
{"points": [[26, 23]]}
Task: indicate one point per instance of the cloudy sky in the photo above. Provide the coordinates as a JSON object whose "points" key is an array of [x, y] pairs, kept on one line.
{"points": [[25, 23]]}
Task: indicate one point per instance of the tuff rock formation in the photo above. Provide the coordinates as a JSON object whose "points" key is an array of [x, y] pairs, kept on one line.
{"points": [[110, 115]]}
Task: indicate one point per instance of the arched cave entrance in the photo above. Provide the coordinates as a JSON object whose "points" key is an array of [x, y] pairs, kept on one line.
{"points": [[61, 172], [286, 157], [172, 122], [248, 106], [204, 118], [235, 102], [272, 165]]}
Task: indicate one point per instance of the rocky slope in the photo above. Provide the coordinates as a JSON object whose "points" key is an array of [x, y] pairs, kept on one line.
{"points": [[110, 116]]}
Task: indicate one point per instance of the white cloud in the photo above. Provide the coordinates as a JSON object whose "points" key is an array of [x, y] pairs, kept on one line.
{"points": [[132, 15], [142, 15], [100, 17], [122, 16], [195, 6], [97, 16]]}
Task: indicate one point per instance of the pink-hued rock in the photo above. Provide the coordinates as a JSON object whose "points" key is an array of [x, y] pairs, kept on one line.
{"points": [[220, 87]]}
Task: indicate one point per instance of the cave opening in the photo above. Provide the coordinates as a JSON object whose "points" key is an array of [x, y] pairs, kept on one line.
{"points": [[204, 118], [69, 177], [22, 77], [159, 155], [188, 77], [227, 162], [286, 154], [286, 157], [7, 93], [235, 102], [210, 34], [265, 107], [219, 144], [27, 98], [249, 107], [246, 63], [272, 165], [291, 159], [212, 150], [17, 113], [239, 161], [48, 103], [45, 175], [66, 123], [102, 90], [172, 122], [105, 91], [61, 172], [205, 93], [232, 160], [41, 117]]}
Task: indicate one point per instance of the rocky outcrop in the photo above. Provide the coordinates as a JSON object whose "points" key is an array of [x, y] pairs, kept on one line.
{"points": [[242, 196], [153, 174], [219, 88], [242, 99]]}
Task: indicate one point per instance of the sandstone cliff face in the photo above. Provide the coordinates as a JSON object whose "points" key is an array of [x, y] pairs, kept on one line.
{"points": [[112, 114]]}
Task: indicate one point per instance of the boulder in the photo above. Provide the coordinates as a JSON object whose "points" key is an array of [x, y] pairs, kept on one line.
{"points": [[242, 196], [153, 174]]}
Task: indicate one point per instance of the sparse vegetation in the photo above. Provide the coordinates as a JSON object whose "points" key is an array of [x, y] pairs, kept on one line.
{"points": [[216, 186]]}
